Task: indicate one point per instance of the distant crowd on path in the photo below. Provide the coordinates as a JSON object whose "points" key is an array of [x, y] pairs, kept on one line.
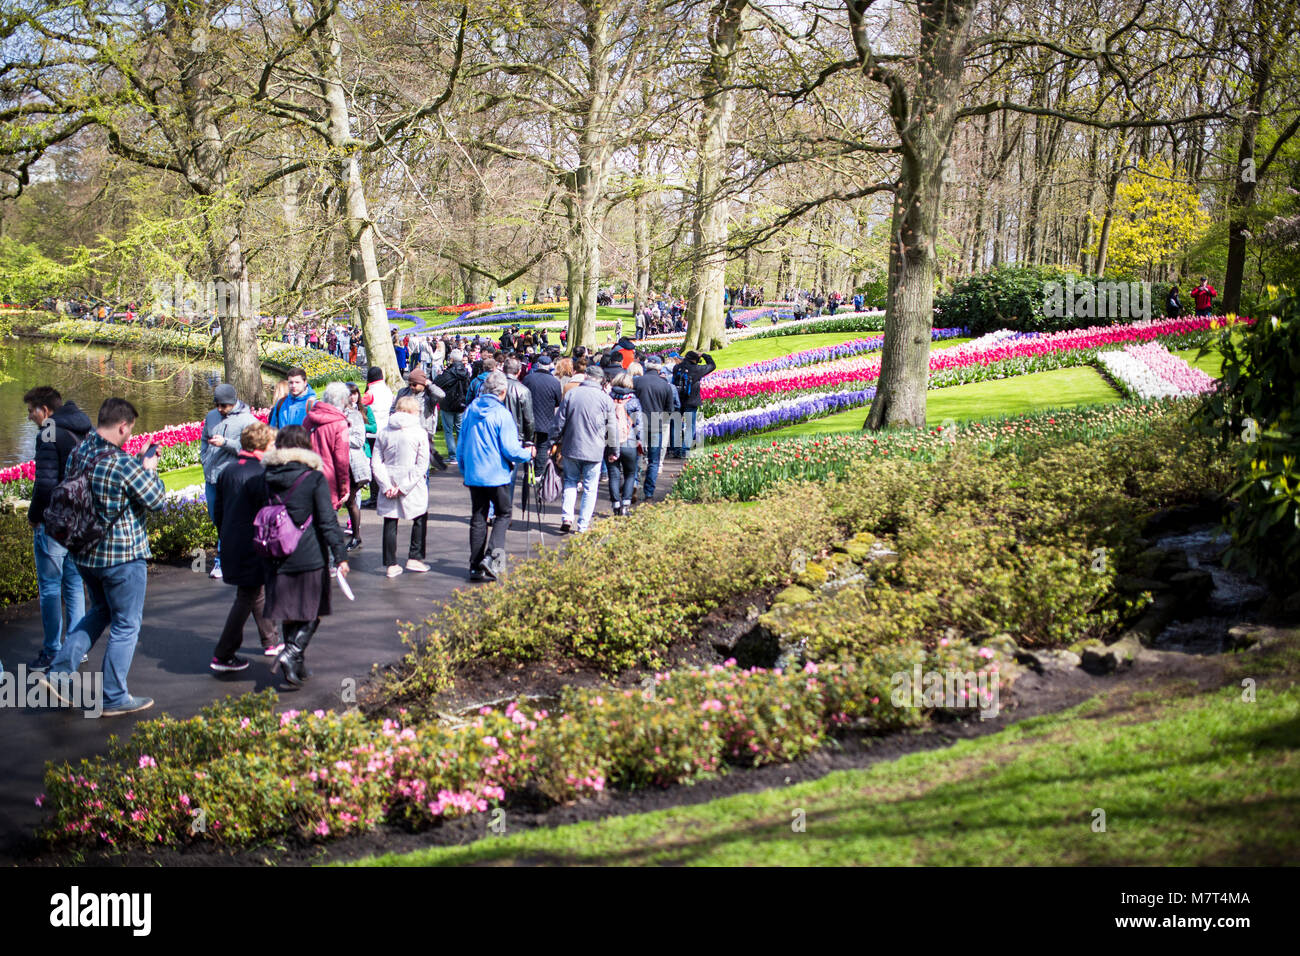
{"points": [[615, 413], [810, 303]]}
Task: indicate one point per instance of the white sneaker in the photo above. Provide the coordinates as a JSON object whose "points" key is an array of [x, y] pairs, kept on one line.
{"points": [[414, 565], [215, 573], [394, 570]]}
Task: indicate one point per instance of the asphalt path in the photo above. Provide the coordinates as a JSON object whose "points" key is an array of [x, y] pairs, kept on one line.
{"points": [[183, 616]]}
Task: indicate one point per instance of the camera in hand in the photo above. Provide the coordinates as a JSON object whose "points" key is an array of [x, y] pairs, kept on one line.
{"points": [[149, 452]]}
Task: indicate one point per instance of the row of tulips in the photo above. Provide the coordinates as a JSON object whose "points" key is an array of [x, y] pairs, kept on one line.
{"points": [[871, 321], [744, 469], [827, 353], [183, 437], [782, 413], [1150, 371], [961, 375], [986, 350]]}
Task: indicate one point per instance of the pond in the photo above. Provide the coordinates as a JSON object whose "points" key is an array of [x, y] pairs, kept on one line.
{"points": [[165, 389]]}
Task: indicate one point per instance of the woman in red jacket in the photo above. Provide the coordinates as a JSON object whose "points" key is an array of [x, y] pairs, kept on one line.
{"points": [[328, 423]]}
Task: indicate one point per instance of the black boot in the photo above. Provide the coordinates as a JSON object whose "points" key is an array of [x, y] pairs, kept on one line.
{"points": [[303, 671], [290, 659]]}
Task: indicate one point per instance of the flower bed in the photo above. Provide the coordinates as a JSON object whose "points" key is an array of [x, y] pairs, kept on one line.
{"points": [[1150, 371], [1081, 344], [873, 321], [258, 774], [744, 470], [178, 446], [320, 366]]}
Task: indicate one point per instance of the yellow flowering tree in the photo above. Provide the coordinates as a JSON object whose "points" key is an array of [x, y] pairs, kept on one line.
{"points": [[1157, 217]]}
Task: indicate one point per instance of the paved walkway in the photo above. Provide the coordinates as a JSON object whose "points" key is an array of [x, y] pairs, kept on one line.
{"points": [[184, 613]]}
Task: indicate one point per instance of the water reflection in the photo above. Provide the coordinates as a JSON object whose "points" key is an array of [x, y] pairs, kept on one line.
{"points": [[166, 390]]}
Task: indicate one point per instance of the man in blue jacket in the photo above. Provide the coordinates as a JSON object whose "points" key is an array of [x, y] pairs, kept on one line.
{"points": [[489, 444], [292, 409]]}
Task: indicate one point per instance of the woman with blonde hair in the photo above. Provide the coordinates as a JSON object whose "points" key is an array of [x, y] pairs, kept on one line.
{"points": [[401, 467]]}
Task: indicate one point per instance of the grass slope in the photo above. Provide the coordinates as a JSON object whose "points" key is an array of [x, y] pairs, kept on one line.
{"points": [[1184, 778], [1059, 388]]}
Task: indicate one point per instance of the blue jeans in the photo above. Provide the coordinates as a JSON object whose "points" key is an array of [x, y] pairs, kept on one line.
{"points": [[210, 493], [586, 473], [63, 601], [451, 430], [688, 429], [652, 469], [116, 602]]}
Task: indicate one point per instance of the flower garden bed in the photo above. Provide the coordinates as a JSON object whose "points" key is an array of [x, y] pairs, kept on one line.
{"points": [[954, 585], [320, 366]]}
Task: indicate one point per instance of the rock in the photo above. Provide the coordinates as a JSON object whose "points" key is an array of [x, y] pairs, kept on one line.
{"points": [[1045, 660], [814, 576], [859, 551], [1106, 659], [1126, 584], [1243, 636], [1183, 516], [879, 554], [1003, 645], [794, 594]]}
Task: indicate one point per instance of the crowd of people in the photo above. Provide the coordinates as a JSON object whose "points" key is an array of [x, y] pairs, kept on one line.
{"points": [[274, 491]]}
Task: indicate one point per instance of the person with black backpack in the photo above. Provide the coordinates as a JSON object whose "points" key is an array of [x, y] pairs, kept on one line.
{"points": [[61, 426], [454, 382], [686, 379], [98, 513]]}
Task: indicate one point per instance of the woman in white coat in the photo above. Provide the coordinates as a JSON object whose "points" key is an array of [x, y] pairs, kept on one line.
{"points": [[401, 466]]}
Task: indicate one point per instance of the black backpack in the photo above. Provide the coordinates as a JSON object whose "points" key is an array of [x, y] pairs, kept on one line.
{"points": [[454, 386], [70, 517], [682, 381]]}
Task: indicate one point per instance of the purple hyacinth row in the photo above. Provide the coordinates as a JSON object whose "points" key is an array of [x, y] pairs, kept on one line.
{"points": [[783, 413]]}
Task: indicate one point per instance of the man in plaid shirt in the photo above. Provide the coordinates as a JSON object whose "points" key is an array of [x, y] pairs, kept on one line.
{"points": [[115, 569]]}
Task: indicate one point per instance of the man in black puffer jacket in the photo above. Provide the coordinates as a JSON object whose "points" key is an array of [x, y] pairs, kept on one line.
{"points": [[60, 428], [658, 401]]}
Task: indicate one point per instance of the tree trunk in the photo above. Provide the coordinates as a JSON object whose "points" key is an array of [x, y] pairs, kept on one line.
{"points": [[1243, 191], [360, 230], [705, 325], [924, 123], [1112, 186]]}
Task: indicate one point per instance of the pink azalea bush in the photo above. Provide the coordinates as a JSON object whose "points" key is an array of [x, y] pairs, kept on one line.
{"points": [[257, 774]]}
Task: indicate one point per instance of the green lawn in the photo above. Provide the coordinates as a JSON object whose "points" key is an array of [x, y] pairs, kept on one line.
{"points": [[1184, 778], [1211, 365], [1060, 388], [182, 477], [401, 324]]}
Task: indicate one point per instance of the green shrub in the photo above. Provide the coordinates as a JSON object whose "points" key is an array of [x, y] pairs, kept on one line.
{"points": [[1012, 297], [17, 562], [618, 595], [1255, 415], [179, 529]]}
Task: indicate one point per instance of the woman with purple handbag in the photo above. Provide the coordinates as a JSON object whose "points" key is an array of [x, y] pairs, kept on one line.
{"points": [[298, 588]]}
